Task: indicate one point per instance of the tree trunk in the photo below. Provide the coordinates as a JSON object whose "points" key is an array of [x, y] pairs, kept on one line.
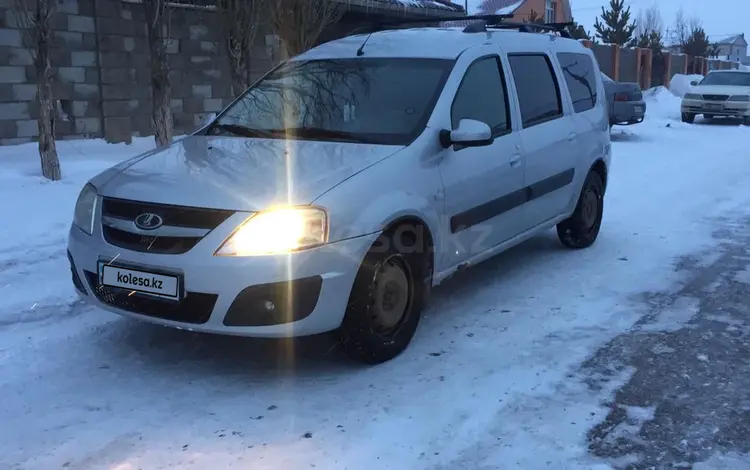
{"points": [[238, 67], [46, 120], [161, 88]]}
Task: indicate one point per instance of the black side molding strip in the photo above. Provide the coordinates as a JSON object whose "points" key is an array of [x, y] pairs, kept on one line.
{"points": [[477, 215]]}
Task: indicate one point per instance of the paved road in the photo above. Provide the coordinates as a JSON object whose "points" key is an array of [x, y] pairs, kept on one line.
{"points": [[687, 398]]}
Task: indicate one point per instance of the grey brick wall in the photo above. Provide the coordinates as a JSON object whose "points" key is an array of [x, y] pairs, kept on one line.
{"points": [[100, 59]]}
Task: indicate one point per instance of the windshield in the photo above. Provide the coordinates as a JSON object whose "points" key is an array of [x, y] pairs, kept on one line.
{"points": [[727, 78], [382, 101]]}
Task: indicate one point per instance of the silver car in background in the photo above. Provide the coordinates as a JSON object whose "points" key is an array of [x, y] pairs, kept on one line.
{"points": [[721, 93], [347, 182], [625, 101]]}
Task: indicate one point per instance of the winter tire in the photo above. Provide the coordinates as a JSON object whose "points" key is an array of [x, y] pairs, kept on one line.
{"points": [[746, 120], [688, 118], [581, 229], [387, 298]]}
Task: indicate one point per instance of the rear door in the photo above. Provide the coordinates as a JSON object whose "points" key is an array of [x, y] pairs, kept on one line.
{"points": [[483, 185], [579, 79], [549, 138]]}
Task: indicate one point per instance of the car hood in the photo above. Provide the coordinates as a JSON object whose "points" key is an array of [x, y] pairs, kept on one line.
{"points": [[721, 90], [239, 173]]}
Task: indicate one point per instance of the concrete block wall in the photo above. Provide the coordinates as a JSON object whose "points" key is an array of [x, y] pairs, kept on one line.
{"points": [[100, 58]]}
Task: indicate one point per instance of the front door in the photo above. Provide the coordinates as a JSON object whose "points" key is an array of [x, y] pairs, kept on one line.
{"points": [[483, 185]]}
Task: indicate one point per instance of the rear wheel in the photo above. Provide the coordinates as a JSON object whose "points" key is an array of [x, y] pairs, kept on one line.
{"points": [[581, 229], [688, 118], [746, 120], [387, 298]]}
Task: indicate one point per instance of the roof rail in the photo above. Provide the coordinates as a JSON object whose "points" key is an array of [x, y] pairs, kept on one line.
{"points": [[374, 27], [483, 26]]}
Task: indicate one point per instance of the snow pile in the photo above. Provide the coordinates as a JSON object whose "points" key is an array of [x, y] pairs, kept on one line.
{"points": [[680, 84], [661, 103]]}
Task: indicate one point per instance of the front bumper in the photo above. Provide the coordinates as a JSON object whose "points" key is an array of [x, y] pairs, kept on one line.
{"points": [[309, 289], [716, 108], [628, 112]]}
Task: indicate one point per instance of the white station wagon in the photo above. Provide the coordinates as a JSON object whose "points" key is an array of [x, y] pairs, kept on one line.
{"points": [[350, 180]]}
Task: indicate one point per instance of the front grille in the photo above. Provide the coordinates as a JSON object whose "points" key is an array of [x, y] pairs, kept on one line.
{"points": [[176, 216], [148, 244], [172, 216], [715, 97], [195, 307]]}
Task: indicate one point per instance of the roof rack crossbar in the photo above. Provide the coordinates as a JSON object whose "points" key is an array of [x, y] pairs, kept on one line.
{"points": [[481, 27]]}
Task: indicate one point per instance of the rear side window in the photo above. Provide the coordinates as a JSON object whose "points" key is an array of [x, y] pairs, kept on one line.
{"points": [[482, 96], [537, 87], [580, 79]]}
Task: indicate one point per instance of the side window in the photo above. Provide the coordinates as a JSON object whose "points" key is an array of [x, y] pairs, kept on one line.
{"points": [[537, 87], [580, 78], [482, 96]]}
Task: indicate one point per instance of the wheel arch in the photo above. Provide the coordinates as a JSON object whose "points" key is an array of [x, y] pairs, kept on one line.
{"points": [[601, 169]]}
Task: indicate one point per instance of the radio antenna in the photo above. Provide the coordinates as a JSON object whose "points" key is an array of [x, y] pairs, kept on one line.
{"points": [[361, 50]]}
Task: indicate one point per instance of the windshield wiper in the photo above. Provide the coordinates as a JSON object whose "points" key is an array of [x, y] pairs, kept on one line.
{"points": [[242, 131], [323, 134]]}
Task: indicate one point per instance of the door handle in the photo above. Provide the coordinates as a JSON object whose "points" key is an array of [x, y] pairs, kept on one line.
{"points": [[515, 160], [572, 136]]}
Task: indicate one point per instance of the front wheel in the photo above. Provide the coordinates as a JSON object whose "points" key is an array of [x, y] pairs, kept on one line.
{"points": [[688, 118], [746, 120], [386, 301], [581, 229]]}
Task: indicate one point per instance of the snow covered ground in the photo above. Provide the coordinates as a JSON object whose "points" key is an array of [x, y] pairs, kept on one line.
{"points": [[492, 380]]}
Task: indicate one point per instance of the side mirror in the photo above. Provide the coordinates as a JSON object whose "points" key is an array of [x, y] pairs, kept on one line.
{"points": [[470, 133], [694, 83]]}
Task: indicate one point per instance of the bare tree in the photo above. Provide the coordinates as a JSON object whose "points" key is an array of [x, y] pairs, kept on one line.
{"points": [[649, 21], [36, 31], [240, 21], [300, 23], [157, 25], [684, 29]]}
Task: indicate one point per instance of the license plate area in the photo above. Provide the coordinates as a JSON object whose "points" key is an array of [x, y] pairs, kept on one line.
{"points": [[141, 280], [638, 109], [713, 106]]}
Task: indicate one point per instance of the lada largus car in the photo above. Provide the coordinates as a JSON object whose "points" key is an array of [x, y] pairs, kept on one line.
{"points": [[347, 182]]}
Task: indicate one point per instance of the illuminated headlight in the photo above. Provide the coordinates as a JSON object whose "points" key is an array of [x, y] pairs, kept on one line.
{"points": [[693, 96], [83, 216], [282, 230], [742, 98]]}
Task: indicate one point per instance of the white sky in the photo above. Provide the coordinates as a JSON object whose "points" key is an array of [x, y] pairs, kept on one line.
{"points": [[719, 17]]}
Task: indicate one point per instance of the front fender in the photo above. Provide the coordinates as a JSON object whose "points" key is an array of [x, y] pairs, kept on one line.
{"points": [[399, 187]]}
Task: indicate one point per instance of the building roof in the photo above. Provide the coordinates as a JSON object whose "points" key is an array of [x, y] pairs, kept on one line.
{"points": [[499, 7], [490, 7], [445, 7], [730, 39]]}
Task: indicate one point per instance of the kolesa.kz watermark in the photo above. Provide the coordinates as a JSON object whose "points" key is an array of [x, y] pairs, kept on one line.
{"points": [[138, 281]]}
